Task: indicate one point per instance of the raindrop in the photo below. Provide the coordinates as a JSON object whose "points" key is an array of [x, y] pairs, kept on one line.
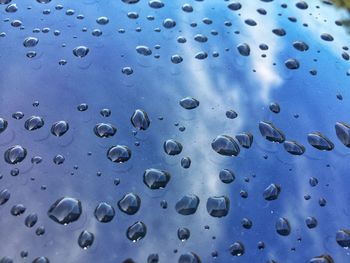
{"points": [[327, 37], [156, 4], [176, 59], [343, 238], [136, 231], [80, 51], [235, 6], [283, 227], [140, 120], [31, 220], [243, 49], [41, 259], [129, 203], [200, 38], [130, 1], [86, 239], [155, 178], [231, 114], [43, 1], [30, 42], [186, 162], [187, 205], [104, 130], [172, 147], [274, 107], [104, 212], [11, 8], [59, 128], [218, 206], [225, 145], [201, 55], [119, 153], [127, 70], [301, 5], [102, 20], [300, 45], [343, 133], [17, 210], [250, 22], [226, 176], [311, 222], [105, 112], [270, 132], [169, 23], [319, 141], [272, 192], [189, 103], [246, 223], [189, 257], [292, 63], [294, 147], [322, 259], [187, 8], [183, 234], [153, 258], [65, 210], [245, 139], [82, 107], [3, 125], [144, 50], [34, 123], [279, 32], [4, 196], [237, 249], [15, 154]]}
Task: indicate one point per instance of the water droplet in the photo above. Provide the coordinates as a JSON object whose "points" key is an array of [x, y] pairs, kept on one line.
{"points": [[155, 178], [11, 8], [34, 123], [3, 125], [102, 20], [187, 205], [156, 4], [231, 114], [153, 258], [65, 210], [189, 103], [200, 38], [4, 196], [226, 176], [189, 257], [31, 220], [274, 107], [201, 55], [169, 23], [130, 203], [250, 22], [243, 49], [86, 239], [237, 249], [311, 222], [343, 238], [225, 145], [140, 120], [187, 8], [235, 6], [127, 70], [43, 1], [245, 139], [186, 162], [322, 259], [172, 147], [292, 63], [246, 223], [218, 206], [15, 154], [81, 51], [42, 259], [82, 107], [283, 227], [59, 128], [319, 141], [272, 192], [119, 153], [301, 5], [279, 32], [144, 50], [294, 147], [270, 132], [300, 45], [30, 42], [136, 231], [183, 233], [104, 130], [104, 212], [18, 209], [327, 37], [343, 133], [176, 59]]}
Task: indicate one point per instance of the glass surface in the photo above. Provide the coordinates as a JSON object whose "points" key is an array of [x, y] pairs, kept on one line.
{"points": [[142, 131]]}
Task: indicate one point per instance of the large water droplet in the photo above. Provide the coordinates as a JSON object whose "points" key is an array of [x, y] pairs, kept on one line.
{"points": [[130, 203], [270, 132], [225, 145], [86, 239], [34, 123], [65, 210], [15, 154], [136, 231], [81, 51], [140, 120], [283, 227], [319, 141], [187, 205], [218, 206], [59, 128], [294, 147], [155, 178], [343, 133], [30, 42], [172, 147], [104, 130], [104, 212], [272, 192]]}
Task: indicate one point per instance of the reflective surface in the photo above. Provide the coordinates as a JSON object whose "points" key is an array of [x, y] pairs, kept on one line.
{"points": [[174, 131]]}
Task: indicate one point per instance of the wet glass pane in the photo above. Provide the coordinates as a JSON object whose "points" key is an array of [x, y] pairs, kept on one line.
{"points": [[174, 131]]}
